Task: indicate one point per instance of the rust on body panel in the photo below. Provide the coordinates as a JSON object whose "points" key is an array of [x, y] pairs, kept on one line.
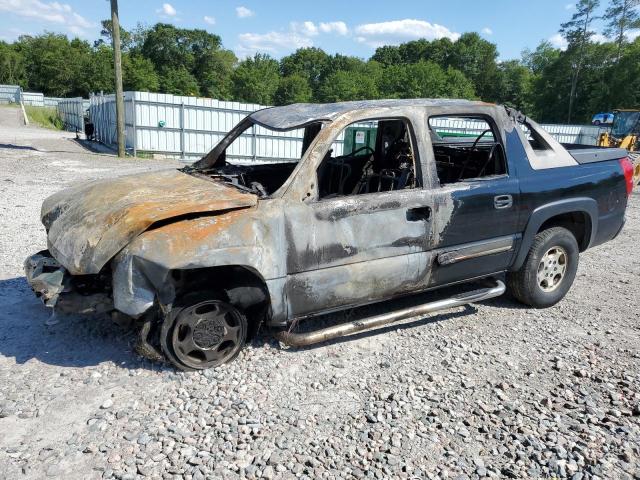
{"points": [[88, 224]]}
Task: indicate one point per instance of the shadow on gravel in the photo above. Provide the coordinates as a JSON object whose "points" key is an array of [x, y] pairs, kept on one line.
{"points": [[11, 146], [82, 341], [76, 341]]}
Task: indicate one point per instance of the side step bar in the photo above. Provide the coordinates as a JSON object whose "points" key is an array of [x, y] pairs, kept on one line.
{"points": [[305, 339]]}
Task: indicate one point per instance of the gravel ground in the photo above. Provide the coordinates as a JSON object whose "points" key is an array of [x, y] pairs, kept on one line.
{"points": [[491, 390]]}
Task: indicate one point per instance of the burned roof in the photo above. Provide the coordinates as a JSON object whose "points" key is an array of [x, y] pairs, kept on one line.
{"points": [[299, 115]]}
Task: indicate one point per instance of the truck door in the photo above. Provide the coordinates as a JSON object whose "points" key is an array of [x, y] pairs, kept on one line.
{"points": [[368, 234], [478, 198]]}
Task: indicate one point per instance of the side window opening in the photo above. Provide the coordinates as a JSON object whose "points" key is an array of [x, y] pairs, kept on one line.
{"points": [[369, 157], [465, 147], [534, 138]]}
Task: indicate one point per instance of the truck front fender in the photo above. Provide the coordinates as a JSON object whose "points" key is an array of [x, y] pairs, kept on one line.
{"points": [[543, 213], [141, 271]]}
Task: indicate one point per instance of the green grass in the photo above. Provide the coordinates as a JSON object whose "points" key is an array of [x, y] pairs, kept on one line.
{"points": [[46, 117]]}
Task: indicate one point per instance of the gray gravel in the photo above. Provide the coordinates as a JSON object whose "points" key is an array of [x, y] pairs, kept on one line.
{"points": [[492, 390]]}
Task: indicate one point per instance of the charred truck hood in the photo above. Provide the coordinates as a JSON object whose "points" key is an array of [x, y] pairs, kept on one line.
{"points": [[88, 224]]}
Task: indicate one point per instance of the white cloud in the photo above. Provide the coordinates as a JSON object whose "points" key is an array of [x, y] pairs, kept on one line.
{"points": [[272, 43], [570, 6], [244, 12], [631, 36], [339, 28], [558, 41], [398, 31], [299, 35], [209, 20], [308, 29], [599, 38], [487, 31], [61, 14], [168, 10]]}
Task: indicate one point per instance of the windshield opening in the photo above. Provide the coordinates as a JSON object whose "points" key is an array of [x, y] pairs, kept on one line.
{"points": [[255, 158]]}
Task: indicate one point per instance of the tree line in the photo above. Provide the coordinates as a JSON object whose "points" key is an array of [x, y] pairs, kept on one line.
{"points": [[549, 84]]}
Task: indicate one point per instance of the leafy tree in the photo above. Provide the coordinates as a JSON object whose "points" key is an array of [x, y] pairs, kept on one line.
{"points": [[184, 56], [127, 40], [255, 80], [344, 85], [387, 55], [476, 58], [139, 74], [543, 56], [97, 71], [624, 78], [346, 63], [170, 47], [179, 81], [54, 65], [214, 72], [293, 89], [12, 66], [577, 32], [513, 84], [311, 63], [620, 17], [424, 80]]}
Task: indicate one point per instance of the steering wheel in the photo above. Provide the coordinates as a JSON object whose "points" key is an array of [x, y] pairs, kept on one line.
{"points": [[366, 147], [475, 143]]}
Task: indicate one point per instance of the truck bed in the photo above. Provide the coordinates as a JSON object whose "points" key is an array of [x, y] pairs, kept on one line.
{"points": [[590, 154]]}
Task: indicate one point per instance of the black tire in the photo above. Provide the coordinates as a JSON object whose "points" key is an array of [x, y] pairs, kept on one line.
{"points": [[195, 334], [597, 123], [525, 284]]}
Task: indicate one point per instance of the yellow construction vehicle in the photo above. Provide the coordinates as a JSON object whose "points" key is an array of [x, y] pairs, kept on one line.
{"points": [[625, 133]]}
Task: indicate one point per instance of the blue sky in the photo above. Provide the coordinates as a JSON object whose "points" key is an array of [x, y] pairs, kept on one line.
{"points": [[352, 27]]}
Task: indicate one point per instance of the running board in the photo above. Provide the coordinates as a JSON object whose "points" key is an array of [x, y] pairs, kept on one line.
{"points": [[305, 339]]}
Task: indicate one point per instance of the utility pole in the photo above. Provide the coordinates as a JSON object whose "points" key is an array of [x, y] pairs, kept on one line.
{"points": [[117, 61]]}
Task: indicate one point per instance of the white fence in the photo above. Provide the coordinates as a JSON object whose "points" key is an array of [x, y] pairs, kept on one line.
{"points": [[188, 127], [14, 93], [71, 111], [10, 93]]}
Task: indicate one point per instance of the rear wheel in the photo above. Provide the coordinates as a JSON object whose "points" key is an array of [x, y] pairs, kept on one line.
{"points": [[548, 271], [203, 333]]}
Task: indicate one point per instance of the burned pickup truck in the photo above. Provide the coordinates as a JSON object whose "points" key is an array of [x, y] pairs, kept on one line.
{"points": [[388, 198]]}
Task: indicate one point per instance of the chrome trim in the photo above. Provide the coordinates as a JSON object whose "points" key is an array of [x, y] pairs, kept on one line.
{"points": [[476, 249], [318, 336]]}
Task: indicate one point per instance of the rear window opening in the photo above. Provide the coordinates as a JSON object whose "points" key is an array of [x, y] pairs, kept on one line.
{"points": [[465, 148], [369, 157]]}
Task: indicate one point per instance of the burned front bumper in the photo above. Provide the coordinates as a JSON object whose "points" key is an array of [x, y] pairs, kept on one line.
{"points": [[57, 288]]}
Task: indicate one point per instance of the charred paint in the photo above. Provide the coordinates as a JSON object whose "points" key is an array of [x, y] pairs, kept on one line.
{"points": [[87, 225]]}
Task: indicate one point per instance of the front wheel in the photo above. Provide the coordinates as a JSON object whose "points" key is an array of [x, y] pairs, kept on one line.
{"points": [[198, 334], [548, 271]]}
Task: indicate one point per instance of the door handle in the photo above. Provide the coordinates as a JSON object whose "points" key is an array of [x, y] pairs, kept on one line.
{"points": [[502, 201], [419, 214]]}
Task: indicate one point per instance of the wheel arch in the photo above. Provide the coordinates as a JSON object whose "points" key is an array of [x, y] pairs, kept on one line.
{"points": [[579, 215], [243, 285]]}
